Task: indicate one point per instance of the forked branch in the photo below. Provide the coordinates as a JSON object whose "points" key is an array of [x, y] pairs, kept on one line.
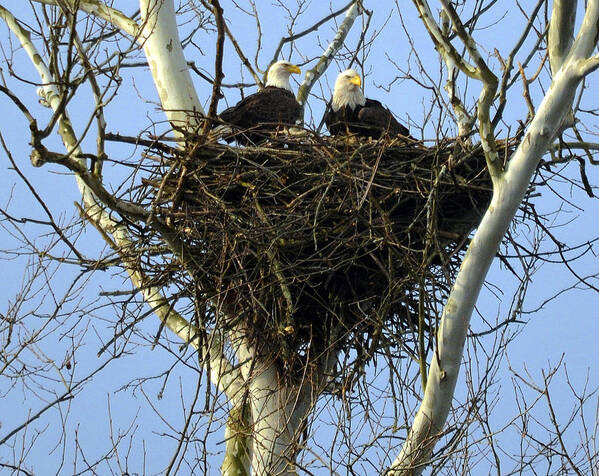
{"points": [[323, 63], [479, 70], [222, 372], [508, 195]]}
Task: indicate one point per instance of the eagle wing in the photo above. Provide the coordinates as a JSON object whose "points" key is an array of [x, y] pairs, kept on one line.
{"points": [[271, 106], [337, 122], [261, 113], [373, 115]]}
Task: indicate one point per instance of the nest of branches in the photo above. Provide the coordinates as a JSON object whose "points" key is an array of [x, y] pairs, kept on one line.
{"points": [[319, 243]]}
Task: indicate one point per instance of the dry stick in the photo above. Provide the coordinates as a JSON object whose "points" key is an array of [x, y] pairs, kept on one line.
{"points": [[362, 39], [485, 100], [16, 468], [527, 81], [208, 79], [238, 49], [218, 70], [526, 91], [508, 64], [218, 66], [20, 105], [583, 175], [42, 203], [258, 31], [99, 110], [313, 28], [278, 273], [371, 180], [559, 433], [64, 397], [323, 63], [243, 58], [585, 180], [153, 143], [183, 436]]}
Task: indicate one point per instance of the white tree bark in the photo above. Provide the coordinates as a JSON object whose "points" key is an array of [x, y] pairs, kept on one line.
{"points": [[278, 411], [170, 72], [323, 63], [561, 32], [508, 194], [222, 373], [101, 10]]}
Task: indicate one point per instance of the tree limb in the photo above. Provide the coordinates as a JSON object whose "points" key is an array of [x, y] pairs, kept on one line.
{"points": [[315, 73], [170, 72], [561, 32], [487, 94], [222, 373], [101, 10], [507, 197], [316, 26]]}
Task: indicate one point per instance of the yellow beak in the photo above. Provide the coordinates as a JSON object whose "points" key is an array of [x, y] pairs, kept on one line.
{"points": [[356, 80], [294, 69]]}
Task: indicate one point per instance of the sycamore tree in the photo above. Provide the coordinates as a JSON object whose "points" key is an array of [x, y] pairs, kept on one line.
{"points": [[80, 124]]}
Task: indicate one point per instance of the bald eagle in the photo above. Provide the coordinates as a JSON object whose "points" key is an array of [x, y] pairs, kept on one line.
{"points": [[267, 110], [350, 112]]}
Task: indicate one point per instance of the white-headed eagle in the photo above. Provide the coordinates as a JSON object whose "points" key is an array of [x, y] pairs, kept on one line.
{"points": [[350, 112], [269, 109]]}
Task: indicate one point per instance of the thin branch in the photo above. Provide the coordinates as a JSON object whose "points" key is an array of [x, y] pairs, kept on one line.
{"points": [[316, 26], [238, 50], [218, 62], [42, 203], [507, 65], [321, 66], [101, 10]]}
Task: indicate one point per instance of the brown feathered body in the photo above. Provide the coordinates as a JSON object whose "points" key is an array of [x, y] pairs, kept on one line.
{"points": [[349, 112], [261, 114], [370, 120]]}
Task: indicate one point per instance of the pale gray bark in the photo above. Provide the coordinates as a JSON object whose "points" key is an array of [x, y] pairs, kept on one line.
{"points": [[162, 45], [224, 376], [277, 411], [509, 190], [561, 32]]}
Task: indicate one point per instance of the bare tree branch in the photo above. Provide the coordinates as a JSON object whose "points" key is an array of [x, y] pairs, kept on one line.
{"points": [[321, 66], [507, 197]]}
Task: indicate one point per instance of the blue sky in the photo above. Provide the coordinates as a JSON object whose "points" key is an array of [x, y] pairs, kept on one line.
{"points": [[567, 326]]}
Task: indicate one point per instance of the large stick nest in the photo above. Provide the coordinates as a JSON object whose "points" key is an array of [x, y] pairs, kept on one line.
{"points": [[320, 243]]}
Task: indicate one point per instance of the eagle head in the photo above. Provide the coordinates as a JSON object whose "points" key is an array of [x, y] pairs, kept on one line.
{"points": [[348, 91], [279, 72]]}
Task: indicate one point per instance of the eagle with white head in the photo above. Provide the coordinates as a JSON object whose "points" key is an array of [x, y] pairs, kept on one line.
{"points": [[350, 112], [267, 110]]}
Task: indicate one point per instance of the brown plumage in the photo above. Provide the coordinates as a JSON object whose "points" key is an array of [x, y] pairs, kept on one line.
{"points": [[351, 113], [264, 112], [371, 120]]}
